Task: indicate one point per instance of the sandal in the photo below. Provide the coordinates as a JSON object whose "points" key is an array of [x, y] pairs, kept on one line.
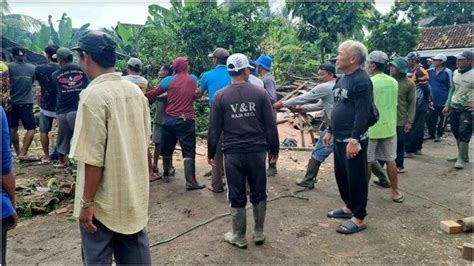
{"points": [[349, 227], [155, 177], [400, 199], [383, 184], [339, 213], [401, 170], [215, 190]]}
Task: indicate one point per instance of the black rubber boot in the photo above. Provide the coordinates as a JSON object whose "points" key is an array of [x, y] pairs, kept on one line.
{"points": [[166, 168], [311, 172], [190, 175]]}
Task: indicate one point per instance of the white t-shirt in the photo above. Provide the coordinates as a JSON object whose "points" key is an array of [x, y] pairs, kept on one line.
{"points": [[256, 81]]}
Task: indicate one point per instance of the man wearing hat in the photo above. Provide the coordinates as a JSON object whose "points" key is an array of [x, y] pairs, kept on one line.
{"points": [[383, 135], [406, 107], [70, 81], [134, 66], [264, 68], [212, 81], [460, 106], [440, 82], [110, 143], [243, 113], [319, 98], [21, 99], [423, 103]]}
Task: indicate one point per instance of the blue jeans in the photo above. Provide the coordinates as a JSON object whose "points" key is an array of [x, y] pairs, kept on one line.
{"points": [[320, 153]]}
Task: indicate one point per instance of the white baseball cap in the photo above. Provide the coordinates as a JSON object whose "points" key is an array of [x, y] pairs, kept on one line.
{"points": [[237, 62], [135, 62], [377, 57], [441, 57]]}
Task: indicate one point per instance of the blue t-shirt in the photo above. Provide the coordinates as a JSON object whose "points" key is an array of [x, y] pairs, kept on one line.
{"points": [[7, 165], [214, 80], [440, 84], [165, 83]]}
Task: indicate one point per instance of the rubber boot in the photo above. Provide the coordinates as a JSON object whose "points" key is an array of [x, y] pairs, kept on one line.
{"points": [[259, 211], [454, 159], [166, 168], [380, 173], [462, 150], [190, 175], [466, 153], [239, 228], [311, 172], [272, 170]]}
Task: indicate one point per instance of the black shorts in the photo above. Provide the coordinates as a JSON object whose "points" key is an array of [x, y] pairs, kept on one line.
{"points": [[175, 130], [23, 112]]}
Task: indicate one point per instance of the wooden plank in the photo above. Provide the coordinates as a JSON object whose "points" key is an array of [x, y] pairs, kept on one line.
{"points": [[292, 93], [450, 227], [467, 251]]}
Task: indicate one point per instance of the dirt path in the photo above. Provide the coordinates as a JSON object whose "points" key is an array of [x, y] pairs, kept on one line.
{"points": [[297, 230]]}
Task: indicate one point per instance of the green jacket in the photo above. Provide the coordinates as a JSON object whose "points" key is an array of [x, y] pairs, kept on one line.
{"points": [[406, 108], [386, 99]]}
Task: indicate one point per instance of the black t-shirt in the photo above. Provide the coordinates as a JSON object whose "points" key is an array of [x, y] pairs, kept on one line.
{"points": [[49, 89], [351, 105], [244, 113], [70, 80]]}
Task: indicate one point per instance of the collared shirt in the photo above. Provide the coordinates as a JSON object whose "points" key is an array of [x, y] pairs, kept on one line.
{"points": [[112, 131], [214, 80], [406, 107], [386, 100], [440, 82]]}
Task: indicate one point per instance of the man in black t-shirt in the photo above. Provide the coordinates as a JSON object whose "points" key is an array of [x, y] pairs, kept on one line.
{"points": [[352, 94], [243, 113], [49, 90], [70, 80]]}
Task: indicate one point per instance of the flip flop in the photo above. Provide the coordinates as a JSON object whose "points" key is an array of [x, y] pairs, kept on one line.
{"points": [[400, 199], [155, 177], [401, 170], [43, 161], [349, 227], [339, 214], [215, 190]]}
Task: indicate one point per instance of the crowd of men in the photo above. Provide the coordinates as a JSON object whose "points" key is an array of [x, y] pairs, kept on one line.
{"points": [[374, 115]]}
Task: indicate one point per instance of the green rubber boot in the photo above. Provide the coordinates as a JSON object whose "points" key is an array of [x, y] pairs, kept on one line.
{"points": [[190, 175], [381, 174], [239, 228], [463, 149], [454, 159], [259, 211], [311, 172]]}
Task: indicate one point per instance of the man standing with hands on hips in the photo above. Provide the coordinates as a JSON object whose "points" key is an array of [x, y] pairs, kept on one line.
{"points": [[349, 124]]}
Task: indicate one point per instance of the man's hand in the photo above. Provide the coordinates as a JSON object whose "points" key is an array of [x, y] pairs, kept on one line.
{"points": [[85, 220], [210, 162], [278, 105], [327, 139], [272, 159], [15, 222], [430, 105], [407, 127], [446, 111], [352, 150], [297, 109]]}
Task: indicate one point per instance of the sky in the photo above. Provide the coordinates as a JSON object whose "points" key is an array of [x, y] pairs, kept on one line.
{"points": [[106, 13]]}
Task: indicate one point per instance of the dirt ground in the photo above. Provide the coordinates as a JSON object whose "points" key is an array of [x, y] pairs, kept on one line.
{"points": [[297, 230]]}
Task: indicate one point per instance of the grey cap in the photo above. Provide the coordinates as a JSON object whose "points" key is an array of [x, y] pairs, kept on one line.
{"points": [[441, 57], [464, 55], [378, 57], [220, 53], [63, 53], [95, 41], [135, 62]]}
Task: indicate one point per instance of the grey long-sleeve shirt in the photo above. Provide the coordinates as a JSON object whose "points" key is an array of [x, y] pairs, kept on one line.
{"points": [[321, 97]]}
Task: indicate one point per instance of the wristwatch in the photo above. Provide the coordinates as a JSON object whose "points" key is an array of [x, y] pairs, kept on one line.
{"points": [[85, 205], [353, 141]]}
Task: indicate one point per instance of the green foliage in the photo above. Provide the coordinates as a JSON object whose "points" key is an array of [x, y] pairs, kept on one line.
{"points": [[323, 22], [387, 31], [201, 113]]}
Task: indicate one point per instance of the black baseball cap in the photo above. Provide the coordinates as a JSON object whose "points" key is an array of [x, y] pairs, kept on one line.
{"points": [[95, 41], [19, 51], [329, 68]]}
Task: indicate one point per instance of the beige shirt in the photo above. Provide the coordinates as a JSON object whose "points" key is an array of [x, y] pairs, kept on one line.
{"points": [[112, 131], [464, 88]]}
